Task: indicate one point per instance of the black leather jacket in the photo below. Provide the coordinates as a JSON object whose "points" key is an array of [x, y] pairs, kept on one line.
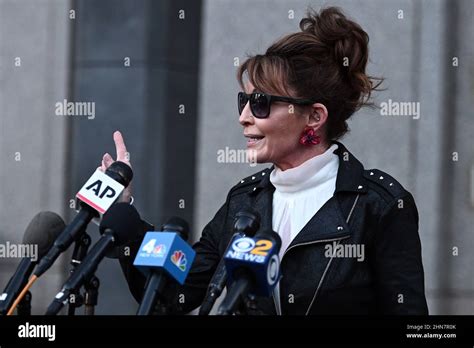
{"points": [[368, 210]]}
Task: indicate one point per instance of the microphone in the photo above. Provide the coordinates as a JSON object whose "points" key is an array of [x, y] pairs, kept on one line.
{"points": [[253, 267], [96, 196], [163, 255], [41, 231], [246, 223], [119, 224]]}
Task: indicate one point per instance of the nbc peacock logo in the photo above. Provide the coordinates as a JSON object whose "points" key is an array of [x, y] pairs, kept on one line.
{"points": [[159, 250], [179, 259]]}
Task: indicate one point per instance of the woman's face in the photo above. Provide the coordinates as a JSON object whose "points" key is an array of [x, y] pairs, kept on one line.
{"points": [[274, 139]]}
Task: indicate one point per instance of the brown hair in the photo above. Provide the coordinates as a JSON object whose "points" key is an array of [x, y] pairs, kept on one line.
{"points": [[324, 62]]}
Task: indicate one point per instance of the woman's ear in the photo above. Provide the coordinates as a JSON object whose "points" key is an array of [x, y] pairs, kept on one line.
{"points": [[318, 116]]}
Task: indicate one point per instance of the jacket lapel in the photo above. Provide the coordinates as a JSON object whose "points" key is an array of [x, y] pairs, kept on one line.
{"points": [[328, 223]]}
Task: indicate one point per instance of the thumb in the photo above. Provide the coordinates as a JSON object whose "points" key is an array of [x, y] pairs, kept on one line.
{"points": [[107, 160]]}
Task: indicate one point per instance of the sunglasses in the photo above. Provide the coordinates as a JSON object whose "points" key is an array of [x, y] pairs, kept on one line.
{"points": [[260, 102]]}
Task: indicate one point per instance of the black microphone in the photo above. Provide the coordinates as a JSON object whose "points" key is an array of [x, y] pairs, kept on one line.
{"points": [[177, 225], [157, 276], [118, 171], [246, 223], [43, 229], [118, 225], [254, 268]]}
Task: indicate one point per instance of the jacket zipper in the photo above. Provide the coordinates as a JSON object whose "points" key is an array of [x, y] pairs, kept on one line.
{"points": [[278, 308]]}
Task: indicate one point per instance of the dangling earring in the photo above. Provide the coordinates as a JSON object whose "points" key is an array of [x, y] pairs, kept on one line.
{"points": [[309, 137]]}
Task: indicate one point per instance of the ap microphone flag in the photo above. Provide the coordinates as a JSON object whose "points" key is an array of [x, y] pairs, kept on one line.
{"points": [[100, 191], [167, 251], [96, 196]]}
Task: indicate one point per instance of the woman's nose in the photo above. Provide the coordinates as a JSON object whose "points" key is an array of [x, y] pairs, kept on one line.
{"points": [[246, 116]]}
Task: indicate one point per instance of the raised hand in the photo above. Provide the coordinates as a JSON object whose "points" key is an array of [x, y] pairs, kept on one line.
{"points": [[122, 156]]}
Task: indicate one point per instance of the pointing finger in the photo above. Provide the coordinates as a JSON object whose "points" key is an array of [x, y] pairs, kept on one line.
{"points": [[120, 147]]}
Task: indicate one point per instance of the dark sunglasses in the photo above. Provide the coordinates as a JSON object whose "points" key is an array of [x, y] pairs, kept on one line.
{"points": [[260, 102]]}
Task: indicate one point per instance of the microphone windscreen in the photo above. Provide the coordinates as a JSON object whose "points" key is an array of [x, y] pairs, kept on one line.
{"points": [[120, 172], [247, 220], [124, 221], [43, 230], [176, 224]]}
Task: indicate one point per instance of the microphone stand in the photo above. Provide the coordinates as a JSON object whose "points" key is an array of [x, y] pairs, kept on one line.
{"points": [[24, 307], [234, 299], [89, 299], [91, 295], [81, 246], [249, 305]]}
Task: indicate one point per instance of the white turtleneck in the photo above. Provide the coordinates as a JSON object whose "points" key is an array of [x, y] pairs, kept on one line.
{"points": [[300, 192]]}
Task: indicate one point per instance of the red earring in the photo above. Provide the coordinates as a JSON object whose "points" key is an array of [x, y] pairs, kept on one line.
{"points": [[309, 138]]}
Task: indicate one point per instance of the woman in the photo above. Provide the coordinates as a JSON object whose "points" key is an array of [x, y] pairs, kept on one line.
{"points": [[350, 242]]}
